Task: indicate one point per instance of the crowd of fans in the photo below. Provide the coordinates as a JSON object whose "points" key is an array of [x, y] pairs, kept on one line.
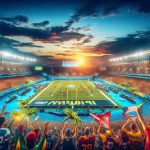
{"points": [[7, 67], [8, 83], [143, 85], [131, 134], [140, 67]]}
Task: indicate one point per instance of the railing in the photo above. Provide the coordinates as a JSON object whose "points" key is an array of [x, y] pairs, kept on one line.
{"points": [[19, 87], [131, 75], [141, 76], [8, 75]]}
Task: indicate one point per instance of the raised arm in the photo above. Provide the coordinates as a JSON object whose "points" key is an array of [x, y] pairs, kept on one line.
{"points": [[99, 130], [124, 126], [138, 126], [76, 131], [41, 142], [143, 123], [94, 130], [3, 110], [63, 130], [45, 130]]}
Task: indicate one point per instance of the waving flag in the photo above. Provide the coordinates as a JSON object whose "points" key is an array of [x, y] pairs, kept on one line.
{"points": [[37, 117], [128, 110], [127, 116], [18, 145], [44, 145], [102, 119]]}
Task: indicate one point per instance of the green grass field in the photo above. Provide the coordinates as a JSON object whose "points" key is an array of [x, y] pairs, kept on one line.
{"points": [[71, 90]]}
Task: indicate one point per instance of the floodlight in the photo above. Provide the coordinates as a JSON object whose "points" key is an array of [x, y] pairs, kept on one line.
{"points": [[138, 54], [6, 54]]}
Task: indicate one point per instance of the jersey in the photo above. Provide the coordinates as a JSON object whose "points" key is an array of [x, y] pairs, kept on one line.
{"points": [[110, 143], [86, 143], [124, 146], [136, 140], [4, 138], [68, 144], [147, 142]]}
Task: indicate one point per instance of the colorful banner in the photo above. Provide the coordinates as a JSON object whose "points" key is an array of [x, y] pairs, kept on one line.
{"points": [[102, 119], [51, 103]]}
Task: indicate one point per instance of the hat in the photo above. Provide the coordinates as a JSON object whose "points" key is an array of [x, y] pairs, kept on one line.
{"points": [[108, 133], [68, 132], [31, 137], [21, 128], [2, 120]]}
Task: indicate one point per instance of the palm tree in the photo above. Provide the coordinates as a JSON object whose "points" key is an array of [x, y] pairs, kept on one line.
{"points": [[23, 114], [29, 113], [71, 115], [24, 103], [18, 115]]}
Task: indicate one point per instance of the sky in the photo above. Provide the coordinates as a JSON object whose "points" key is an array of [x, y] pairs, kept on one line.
{"points": [[73, 29]]}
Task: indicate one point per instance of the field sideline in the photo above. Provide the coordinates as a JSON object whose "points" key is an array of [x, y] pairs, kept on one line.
{"points": [[71, 90]]}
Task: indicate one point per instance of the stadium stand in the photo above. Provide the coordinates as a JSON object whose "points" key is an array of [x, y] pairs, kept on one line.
{"points": [[143, 85], [130, 68], [8, 83]]}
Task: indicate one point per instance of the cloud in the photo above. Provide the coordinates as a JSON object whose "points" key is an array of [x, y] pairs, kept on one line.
{"points": [[14, 43], [103, 8], [59, 29], [50, 34], [66, 36], [10, 48], [64, 54], [46, 57], [87, 39], [16, 19], [41, 24], [83, 29], [7, 29], [28, 45], [132, 42], [4, 40]]}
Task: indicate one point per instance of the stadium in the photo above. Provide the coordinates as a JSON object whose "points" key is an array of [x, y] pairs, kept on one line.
{"points": [[75, 76]]}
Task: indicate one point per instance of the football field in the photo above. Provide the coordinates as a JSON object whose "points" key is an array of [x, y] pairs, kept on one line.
{"points": [[71, 90], [67, 91]]}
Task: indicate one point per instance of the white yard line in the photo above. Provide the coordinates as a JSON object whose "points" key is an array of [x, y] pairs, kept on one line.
{"points": [[103, 94], [86, 89], [56, 89], [41, 92]]}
